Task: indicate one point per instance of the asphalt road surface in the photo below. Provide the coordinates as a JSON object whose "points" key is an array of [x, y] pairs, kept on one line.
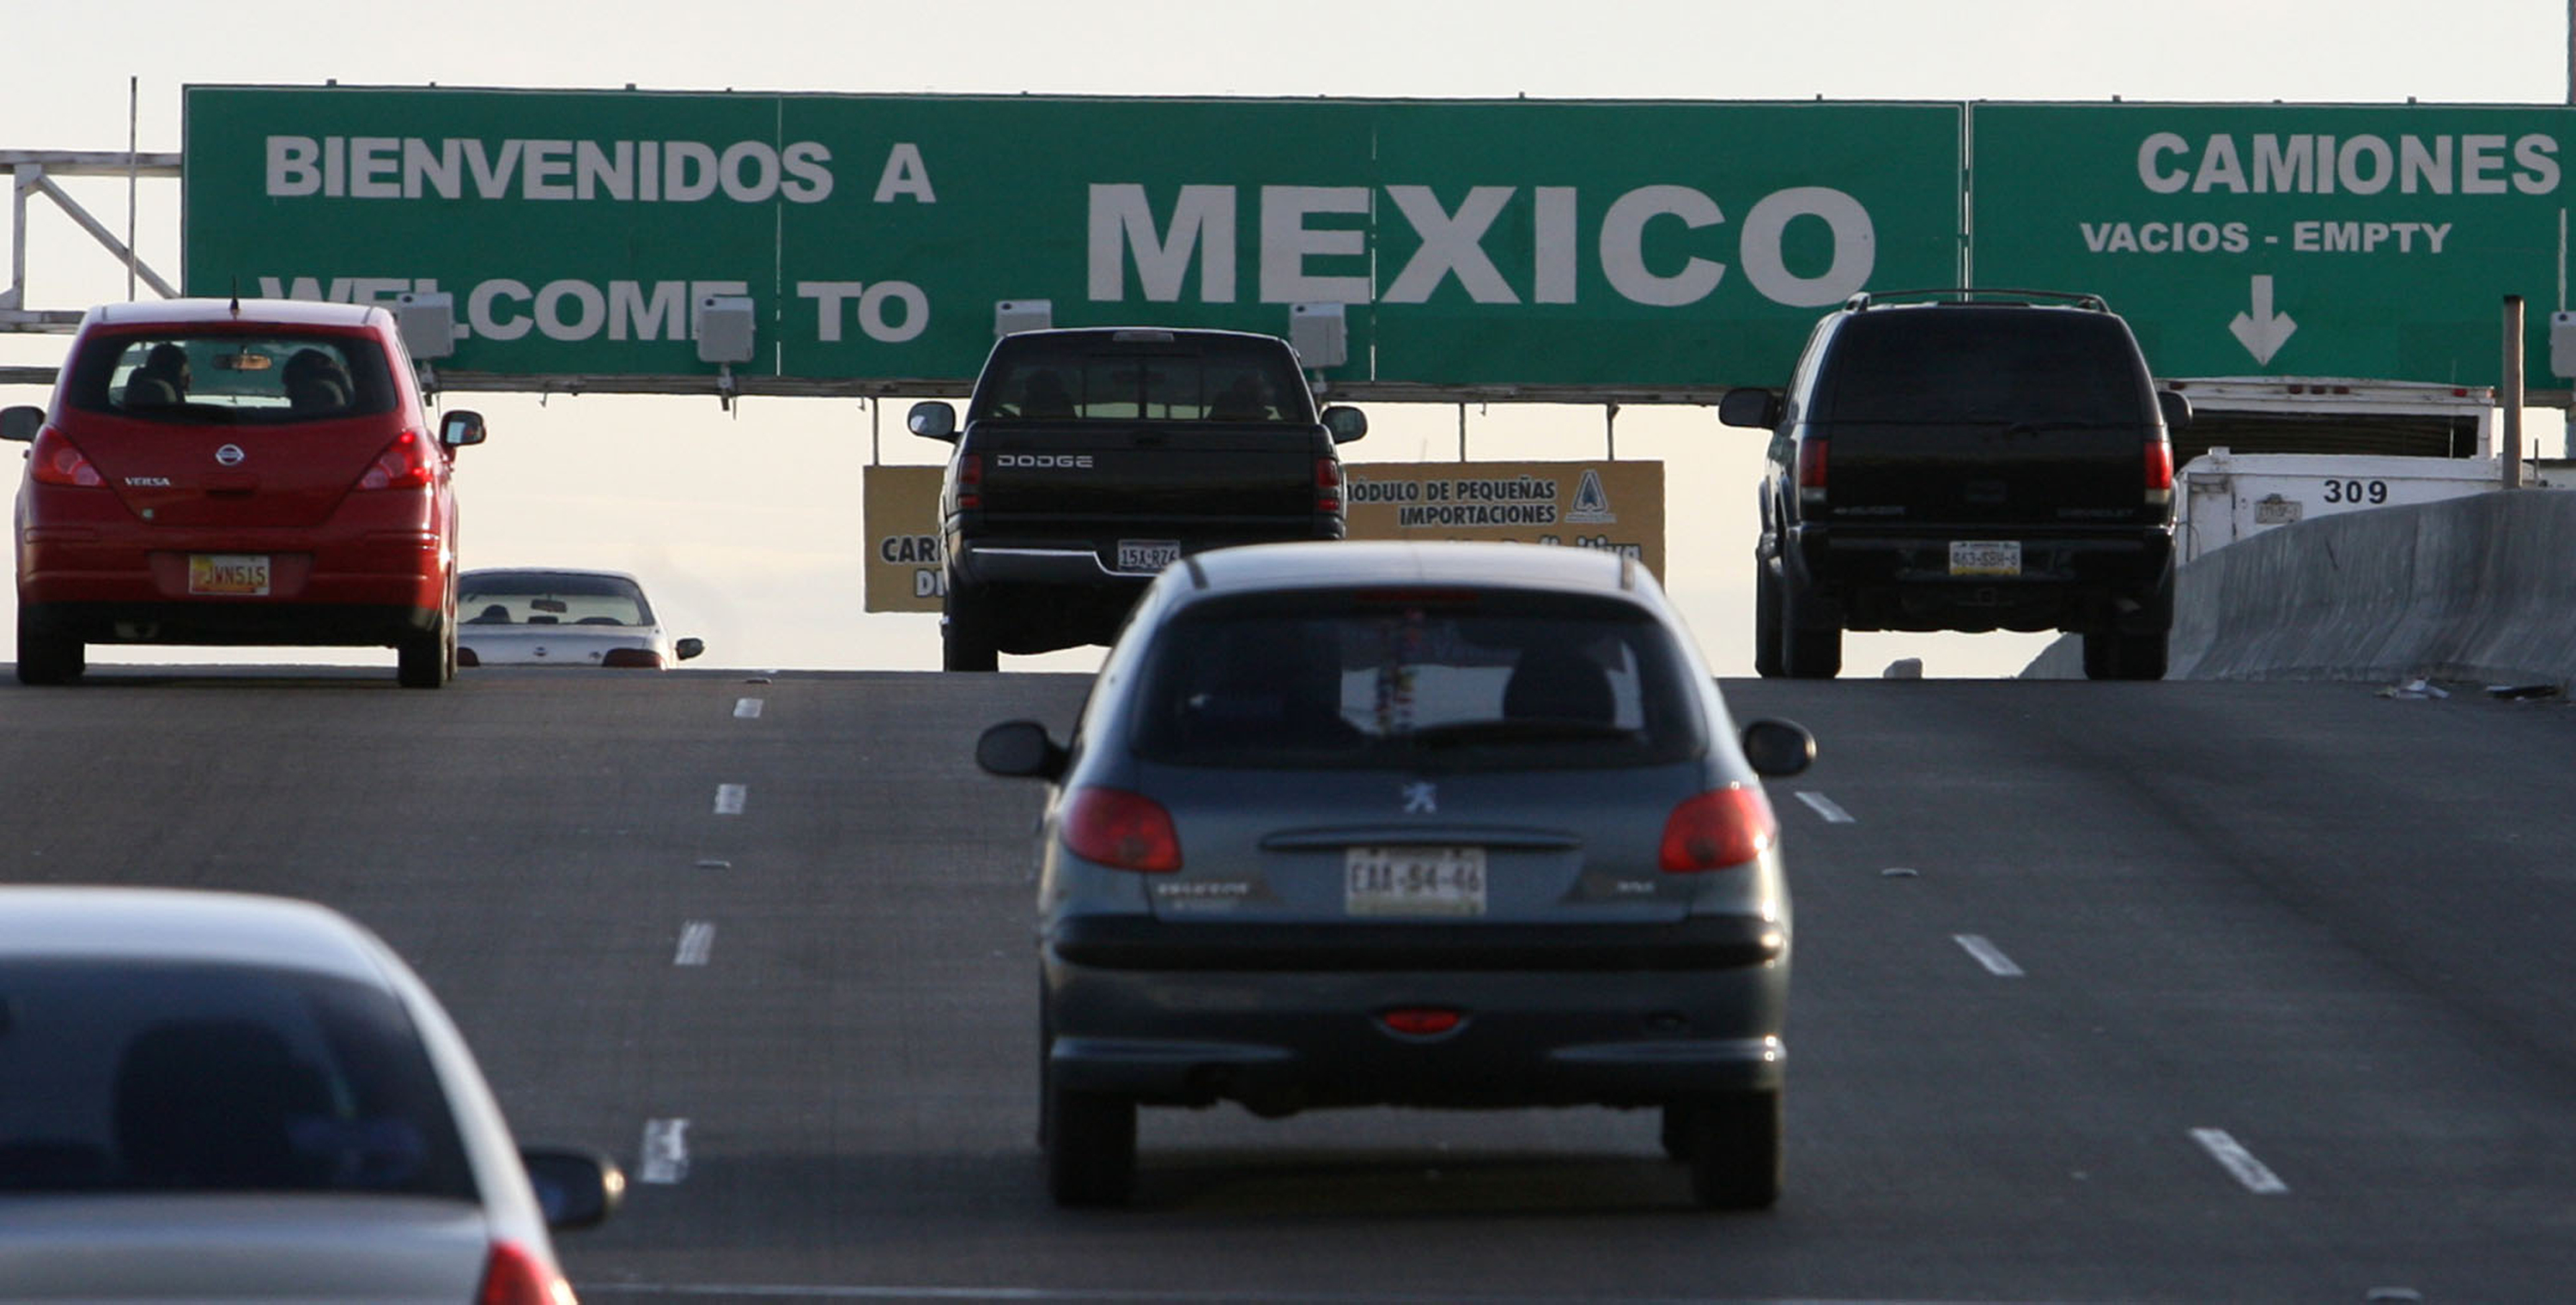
{"points": [[2104, 992]]}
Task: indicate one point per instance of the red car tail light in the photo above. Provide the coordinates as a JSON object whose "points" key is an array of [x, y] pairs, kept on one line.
{"points": [[53, 461], [645, 658], [1129, 831], [1421, 1021], [1811, 471], [514, 1276], [403, 465], [1719, 828], [970, 480]]}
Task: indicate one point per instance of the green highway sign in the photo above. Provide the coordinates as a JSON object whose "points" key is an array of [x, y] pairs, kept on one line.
{"points": [[2371, 241], [1570, 245]]}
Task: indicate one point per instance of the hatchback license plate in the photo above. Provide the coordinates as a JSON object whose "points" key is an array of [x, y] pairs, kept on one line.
{"points": [[228, 574], [1147, 556], [1985, 557], [1414, 881]]}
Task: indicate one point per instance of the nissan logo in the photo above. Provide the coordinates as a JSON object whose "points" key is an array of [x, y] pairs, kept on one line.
{"points": [[230, 455]]}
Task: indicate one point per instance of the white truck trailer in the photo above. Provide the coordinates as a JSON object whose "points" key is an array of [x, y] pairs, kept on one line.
{"points": [[2265, 451]]}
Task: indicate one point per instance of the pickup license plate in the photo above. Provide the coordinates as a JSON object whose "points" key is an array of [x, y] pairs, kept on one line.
{"points": [[1147, 556], [1414, 881], [228, 574], [1985, 557]]}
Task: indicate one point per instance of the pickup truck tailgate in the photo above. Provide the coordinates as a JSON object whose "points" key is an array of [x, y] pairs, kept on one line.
{"points": [[1167, 479]]}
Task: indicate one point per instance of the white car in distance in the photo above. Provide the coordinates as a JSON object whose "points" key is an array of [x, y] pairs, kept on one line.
{"points": [[520, 616]]}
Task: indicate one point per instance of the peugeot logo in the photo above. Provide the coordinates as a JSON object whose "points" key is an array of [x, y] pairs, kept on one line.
{"points": [[230, 455]]}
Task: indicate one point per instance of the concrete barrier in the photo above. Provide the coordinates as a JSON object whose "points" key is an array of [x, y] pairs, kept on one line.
{"points": [[2476, 588]]}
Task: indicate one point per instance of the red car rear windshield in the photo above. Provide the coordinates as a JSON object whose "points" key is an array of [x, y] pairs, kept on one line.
{"points": [[232, 377]]}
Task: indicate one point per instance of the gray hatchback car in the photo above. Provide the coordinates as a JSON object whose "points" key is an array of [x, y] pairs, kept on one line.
{"points": [[1445, 825]]}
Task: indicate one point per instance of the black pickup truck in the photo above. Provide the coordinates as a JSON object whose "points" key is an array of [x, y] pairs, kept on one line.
{"points": [[1091, 459]]}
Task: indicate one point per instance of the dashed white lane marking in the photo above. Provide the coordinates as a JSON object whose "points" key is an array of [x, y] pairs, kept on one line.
{"points": [[666, 1151], [697, 943], [1988, 955], [2257, 1177], [1824, 806], [746, 709], [730, 797]]}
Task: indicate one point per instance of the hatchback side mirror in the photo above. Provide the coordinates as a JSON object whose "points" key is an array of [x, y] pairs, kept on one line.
{"points": [[1020, 749], [2176, 409], [575, 1189], [1345, 422], [460, 428], [932, 420], [1777, 749], [1757, 408], [688, 648], [21, 423]]}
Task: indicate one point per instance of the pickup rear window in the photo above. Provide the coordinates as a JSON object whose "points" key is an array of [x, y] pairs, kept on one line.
{"points": [[1192, 380], [233, 378], [1925, 366]]}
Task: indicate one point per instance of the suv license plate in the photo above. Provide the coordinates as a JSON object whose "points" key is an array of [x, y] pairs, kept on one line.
{"points": [[1414, 881], [1147, 556], [230, 574], [1985, 557]]}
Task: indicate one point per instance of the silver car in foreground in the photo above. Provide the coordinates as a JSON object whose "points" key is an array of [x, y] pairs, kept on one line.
{"points": [[216, 1097], [1417, 824], [524, 616]]}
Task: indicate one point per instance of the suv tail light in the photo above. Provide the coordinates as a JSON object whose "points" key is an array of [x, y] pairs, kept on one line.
{"points": [[1811, 472], [513, 1276], [1328, 485], [1719, 828], [2159, 473], [970, 480], [53, 461], [403, 465], [1128, 831], [645, 658]]}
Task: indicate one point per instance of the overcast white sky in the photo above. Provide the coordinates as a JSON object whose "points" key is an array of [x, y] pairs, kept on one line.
{"points": [[745, 528]]}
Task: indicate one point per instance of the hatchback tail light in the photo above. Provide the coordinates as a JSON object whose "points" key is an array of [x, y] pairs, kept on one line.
{"points": [[1128, 831], [2159, 473], [403, 465], [644, 658], [970, 480], [1811, 472], [515, 1276], [1719, 828], [53, 461], [1328, 485]]}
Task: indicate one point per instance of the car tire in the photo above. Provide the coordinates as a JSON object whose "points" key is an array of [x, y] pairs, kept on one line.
{"points": [[1809, 649], [965, 637], [46, 659], [1675, 1134], [1090, 1146], [2111, 655], [422, 658], [1732, 1142], [1766, 620]]}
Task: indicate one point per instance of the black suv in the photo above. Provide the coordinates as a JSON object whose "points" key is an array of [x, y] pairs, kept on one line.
{"points": [[1969, 460]]}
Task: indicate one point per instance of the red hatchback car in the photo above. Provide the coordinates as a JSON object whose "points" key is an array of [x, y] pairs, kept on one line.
{"points": [[237, 472]]}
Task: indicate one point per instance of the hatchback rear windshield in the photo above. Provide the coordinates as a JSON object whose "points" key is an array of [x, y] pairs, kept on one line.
{"points": [[1432, 679], [1978, 365], [211, 1078], [1248, 381], [232, 377], [550, 598]]}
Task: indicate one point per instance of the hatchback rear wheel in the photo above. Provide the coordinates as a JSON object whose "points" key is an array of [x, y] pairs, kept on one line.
{"points": [[1090, 1146], [1732, 1143], [426, 659]]}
